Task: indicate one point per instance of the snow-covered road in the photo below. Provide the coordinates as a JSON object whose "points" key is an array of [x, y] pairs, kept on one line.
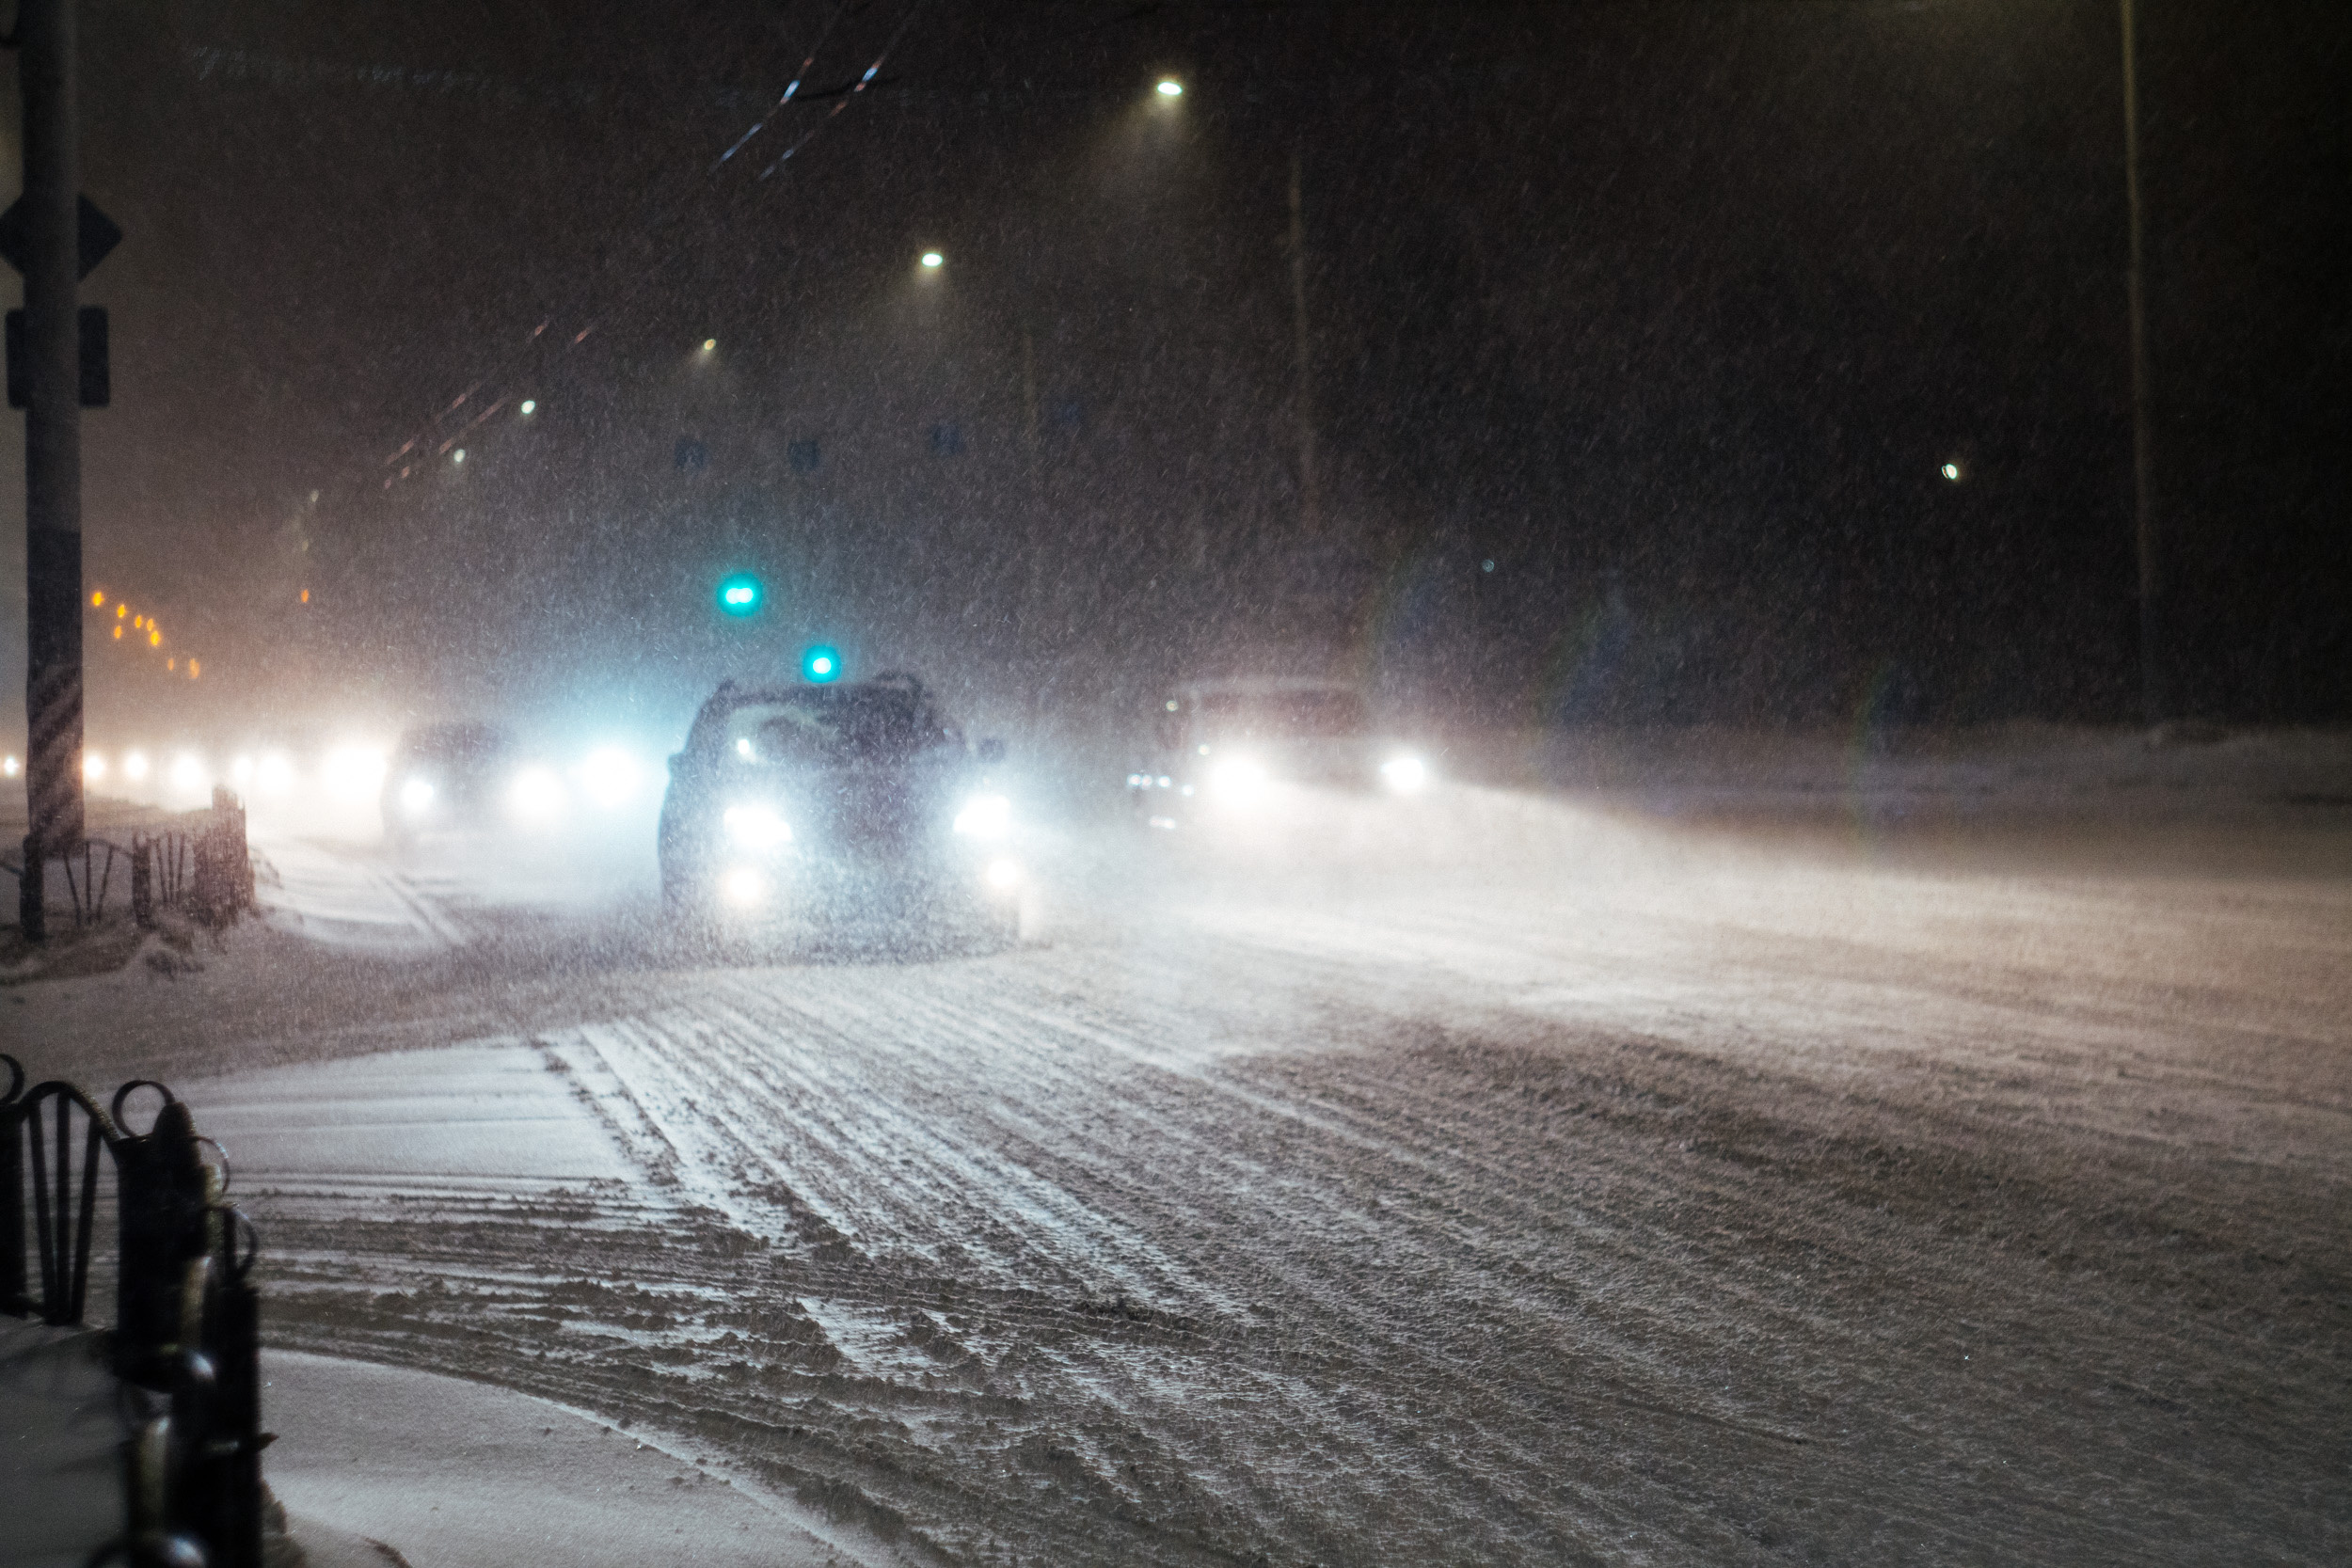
{"points": [[1484, 1179]]}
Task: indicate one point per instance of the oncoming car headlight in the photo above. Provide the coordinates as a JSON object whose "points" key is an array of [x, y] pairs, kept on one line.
{"points": [[755, 827], [985, 817], [1238, 779], [1405, 775]]}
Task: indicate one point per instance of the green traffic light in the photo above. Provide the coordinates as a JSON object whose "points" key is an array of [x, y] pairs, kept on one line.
{"points": [[739, 594]]}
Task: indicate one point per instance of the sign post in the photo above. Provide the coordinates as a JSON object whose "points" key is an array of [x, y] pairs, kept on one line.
{"points": [[54, 237]]}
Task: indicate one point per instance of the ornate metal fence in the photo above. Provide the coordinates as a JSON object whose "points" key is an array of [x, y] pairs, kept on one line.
{"points": [[186, 1336], [206, 870]]}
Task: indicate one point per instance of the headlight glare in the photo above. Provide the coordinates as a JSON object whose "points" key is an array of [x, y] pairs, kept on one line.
{"points": [[986, 817], [1405, 775], [755, 827]]}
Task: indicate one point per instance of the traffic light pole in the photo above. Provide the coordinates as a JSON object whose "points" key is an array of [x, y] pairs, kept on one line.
{"points": [[53, 446]]}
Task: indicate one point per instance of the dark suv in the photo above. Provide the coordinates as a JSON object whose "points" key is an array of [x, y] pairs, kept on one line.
{"points": [[856, 804]]}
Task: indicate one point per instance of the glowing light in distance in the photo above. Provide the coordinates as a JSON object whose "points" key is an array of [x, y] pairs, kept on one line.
{"points": [[1406, 775], [93, 766], [932, 259], [306, 595], [1951, 472], [9, 767], [531, 406], [118, 634], [821, 664], [755, 827], [241, 770], [537, 795], [96, 599], [154, 638], [194, 669], [135, 766], [416, 797], [986, 817], [352, 773], [742, 888], [739, 594], [709, 343], [743, 747], [1171, 87], [1004, 875], [187, 771], [121, 609], [1238, 779], [170, 666], [273, 777], [609, 776], [457, 457]]}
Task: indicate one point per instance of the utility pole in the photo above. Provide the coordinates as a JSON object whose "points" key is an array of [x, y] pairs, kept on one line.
{"points": [[1309, 501], [2154, 698], [53, 444]]}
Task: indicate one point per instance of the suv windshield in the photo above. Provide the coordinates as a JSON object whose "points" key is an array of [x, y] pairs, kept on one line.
{"points": [[833, 725]]}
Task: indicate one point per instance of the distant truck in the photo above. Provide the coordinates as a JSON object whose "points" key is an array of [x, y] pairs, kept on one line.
{"points": [[1223, 745]]}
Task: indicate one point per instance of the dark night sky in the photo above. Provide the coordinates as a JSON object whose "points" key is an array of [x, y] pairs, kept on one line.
{"points": [[1673, 312]]}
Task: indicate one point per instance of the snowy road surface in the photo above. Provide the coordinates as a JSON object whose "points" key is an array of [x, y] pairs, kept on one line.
{"points": [[1487, 1179]]}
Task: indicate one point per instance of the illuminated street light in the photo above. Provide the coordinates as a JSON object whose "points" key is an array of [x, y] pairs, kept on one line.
{"points": [[93, 768], [96, 599], [118, 634], [8, 767], [821, 664], [135, 766], [709, 343], [154, 638], [1171, 87], [194, 669], [1951, 472], [531, 406], [459, 456], [933, 258]]}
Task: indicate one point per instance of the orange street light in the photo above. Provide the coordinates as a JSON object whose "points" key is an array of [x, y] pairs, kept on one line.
{"points": [[118, 634], [96, 599]]}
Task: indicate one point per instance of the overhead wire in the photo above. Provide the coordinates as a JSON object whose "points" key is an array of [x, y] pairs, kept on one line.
{"points": [[425, 439]]}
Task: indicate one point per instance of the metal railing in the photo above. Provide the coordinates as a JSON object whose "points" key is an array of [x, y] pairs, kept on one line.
{"points": [[206, 871], [185, 1340]]}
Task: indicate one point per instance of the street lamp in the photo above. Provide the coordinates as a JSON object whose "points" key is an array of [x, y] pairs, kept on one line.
{"points": [[1171, 87], [933, 260]]}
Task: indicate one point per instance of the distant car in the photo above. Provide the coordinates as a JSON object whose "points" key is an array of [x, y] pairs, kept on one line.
{"points": [[1219, 744], [854, 806], [446, 776]]}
